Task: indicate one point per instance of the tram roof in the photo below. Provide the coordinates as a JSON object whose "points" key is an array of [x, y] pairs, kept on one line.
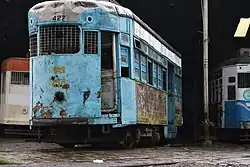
{"points": [[243, 59], [15, 64], [105, 4]]}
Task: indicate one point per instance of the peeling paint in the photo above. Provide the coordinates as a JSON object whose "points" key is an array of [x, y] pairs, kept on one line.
{"points": [[86, 95], [151, 105], [59, 84]]}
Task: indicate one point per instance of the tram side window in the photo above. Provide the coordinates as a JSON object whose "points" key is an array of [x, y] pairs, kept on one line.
{"points": [[33, 45], [143, 68], [150, 72], [20, 78], [159, 77], [91, 42], [137, 69], [124, 61], [244, 80], [155, 74]]}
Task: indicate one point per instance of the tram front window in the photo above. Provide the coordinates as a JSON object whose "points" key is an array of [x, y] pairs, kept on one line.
{"points": [[59, 39], [244, 80]]}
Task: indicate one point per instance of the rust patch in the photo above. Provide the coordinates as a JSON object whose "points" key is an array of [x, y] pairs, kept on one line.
{"points": [[151, 105], [66, 86]]}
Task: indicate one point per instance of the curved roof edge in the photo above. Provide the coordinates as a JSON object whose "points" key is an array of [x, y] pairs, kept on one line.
{"points": [[121, 11]]}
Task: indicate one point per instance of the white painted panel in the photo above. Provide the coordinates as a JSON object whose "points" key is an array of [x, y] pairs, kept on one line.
{"points": [[19, 95], [156, 44], [243, 68], [227, 72]]}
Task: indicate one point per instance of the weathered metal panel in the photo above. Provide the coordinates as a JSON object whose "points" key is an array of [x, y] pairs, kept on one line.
{"points": [[178, 112], [151, 105], [99, 19], [128, 102], [63, 88], [107, 90]]}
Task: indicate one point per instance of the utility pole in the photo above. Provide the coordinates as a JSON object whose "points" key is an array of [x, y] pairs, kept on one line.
{"points": [[205, 68]]}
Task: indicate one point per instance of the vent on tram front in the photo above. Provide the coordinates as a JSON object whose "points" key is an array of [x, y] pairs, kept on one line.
{"points": [[59, 39]]}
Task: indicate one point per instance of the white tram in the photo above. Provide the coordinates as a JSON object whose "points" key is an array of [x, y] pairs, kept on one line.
{"points": [[14, 115]]}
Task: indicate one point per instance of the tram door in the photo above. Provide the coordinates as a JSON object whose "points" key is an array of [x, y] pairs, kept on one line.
{"points": [[108, 75]]}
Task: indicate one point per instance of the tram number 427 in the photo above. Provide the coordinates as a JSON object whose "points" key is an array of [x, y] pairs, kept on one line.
{"points": [[58, 18]]}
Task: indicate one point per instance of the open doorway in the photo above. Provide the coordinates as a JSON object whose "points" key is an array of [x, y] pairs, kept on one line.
{"points": [[107, 72]]}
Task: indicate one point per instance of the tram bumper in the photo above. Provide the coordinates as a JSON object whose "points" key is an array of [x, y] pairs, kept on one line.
{"points": [[60, 121]]}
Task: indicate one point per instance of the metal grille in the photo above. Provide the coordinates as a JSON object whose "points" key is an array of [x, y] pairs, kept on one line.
{"points": [[33, 45], [231, 92], [59, 39], [20, 78], [90, 42]]}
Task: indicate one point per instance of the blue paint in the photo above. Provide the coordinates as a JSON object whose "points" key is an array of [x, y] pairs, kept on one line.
{"points": [[236, 112], [84, 74], [32, 23], [124, 25], [102, 20], [128, 102]]}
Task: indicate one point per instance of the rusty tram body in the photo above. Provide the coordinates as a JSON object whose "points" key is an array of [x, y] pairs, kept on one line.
{"points": [[99, 73]]}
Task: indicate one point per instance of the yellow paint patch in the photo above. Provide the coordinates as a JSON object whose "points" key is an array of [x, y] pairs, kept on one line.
{"points": [[58, 70]]}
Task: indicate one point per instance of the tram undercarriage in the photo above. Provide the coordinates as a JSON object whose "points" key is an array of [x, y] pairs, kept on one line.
{"points": [[128, 137]]}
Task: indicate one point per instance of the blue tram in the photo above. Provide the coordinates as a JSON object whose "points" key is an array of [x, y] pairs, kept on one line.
{"points": [[230, 98], [99, 73]]}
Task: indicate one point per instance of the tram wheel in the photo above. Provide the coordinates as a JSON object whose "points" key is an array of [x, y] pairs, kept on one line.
{"points": [[128, 141], [66, 145]]}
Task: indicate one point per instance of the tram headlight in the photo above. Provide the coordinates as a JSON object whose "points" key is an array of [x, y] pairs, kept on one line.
{"points": [[25, 111]]}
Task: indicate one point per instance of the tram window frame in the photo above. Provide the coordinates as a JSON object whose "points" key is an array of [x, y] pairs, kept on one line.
{"points": [[33, 44], [150, 71], [143, 61], [125, 61], [94, 43], [164, 79], [159, 72], [56, 39], [243, 80], [137, 65], [19, 78], [155, 78]]}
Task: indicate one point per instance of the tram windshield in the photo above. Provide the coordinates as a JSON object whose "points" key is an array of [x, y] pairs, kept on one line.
{"points": [[243, 80]]}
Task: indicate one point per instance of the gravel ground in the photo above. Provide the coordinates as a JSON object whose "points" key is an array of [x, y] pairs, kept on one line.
{"points": [[38, 155]]}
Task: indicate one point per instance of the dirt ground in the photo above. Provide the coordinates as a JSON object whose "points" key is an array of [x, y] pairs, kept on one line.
{"points": [[41, 154]]}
